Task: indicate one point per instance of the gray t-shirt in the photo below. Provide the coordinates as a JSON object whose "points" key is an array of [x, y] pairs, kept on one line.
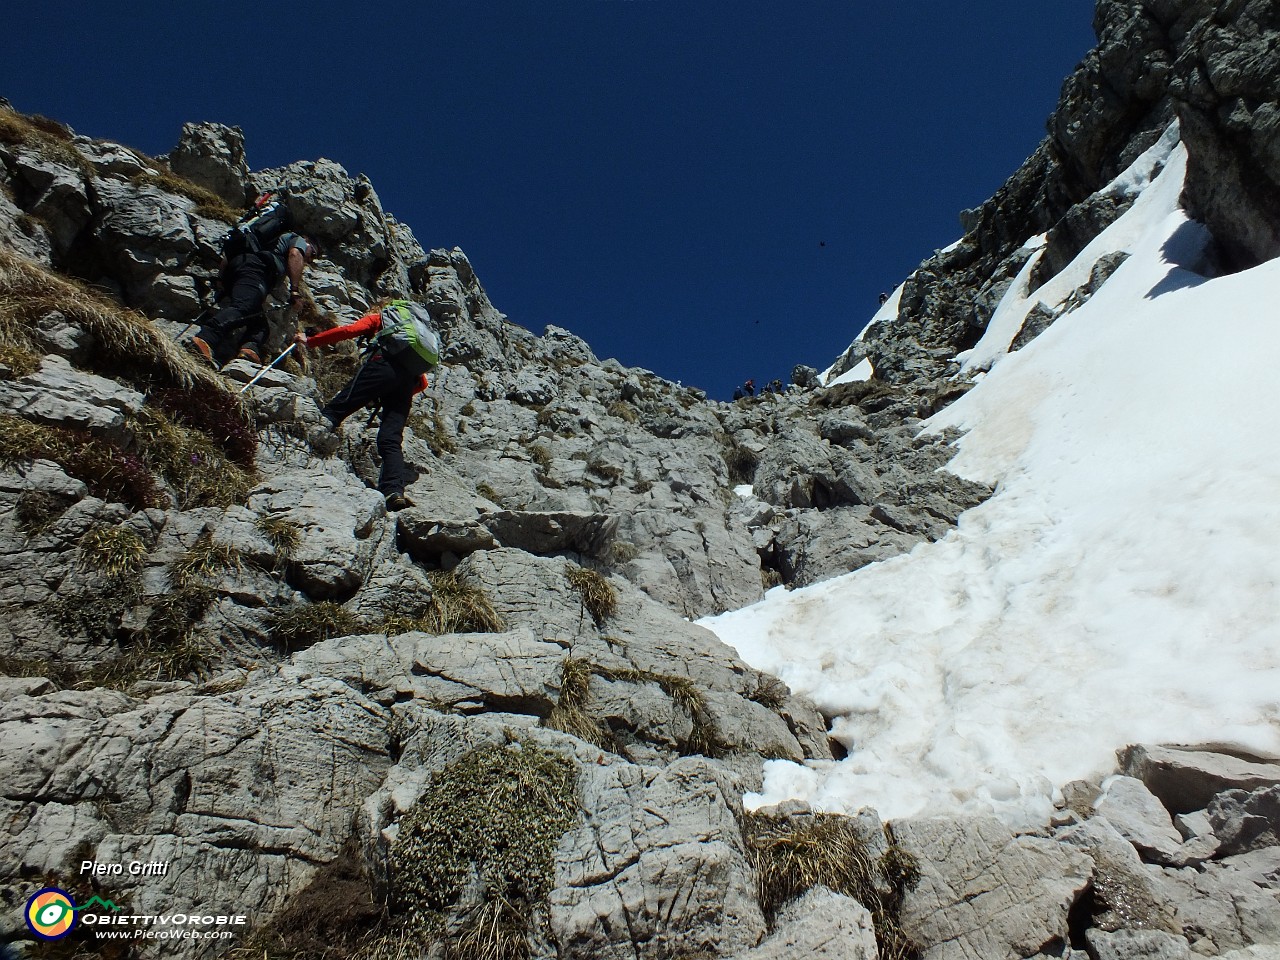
{"points": [[278, 252]]}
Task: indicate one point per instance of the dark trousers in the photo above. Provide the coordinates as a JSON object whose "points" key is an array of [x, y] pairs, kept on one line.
{"points": [[380, 381], [241, 321]]}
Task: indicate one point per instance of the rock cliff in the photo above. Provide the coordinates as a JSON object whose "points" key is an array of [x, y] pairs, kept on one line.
{"points": [[484, 726]]}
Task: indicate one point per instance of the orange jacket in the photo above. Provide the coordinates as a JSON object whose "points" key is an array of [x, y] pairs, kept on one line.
{"points": [[368, 325]]}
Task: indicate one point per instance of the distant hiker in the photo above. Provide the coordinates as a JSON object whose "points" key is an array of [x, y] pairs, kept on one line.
{"points": [[739, 393], [884, 298], [749, 388], [775, 386], [256, 254], [405, 346]]}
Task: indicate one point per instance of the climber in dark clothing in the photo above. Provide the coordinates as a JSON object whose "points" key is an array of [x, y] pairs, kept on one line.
{"points": [[382, 380], [240, 328]]}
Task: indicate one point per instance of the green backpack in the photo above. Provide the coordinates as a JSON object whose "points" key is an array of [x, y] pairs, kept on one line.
{"points": [[409, 336]]}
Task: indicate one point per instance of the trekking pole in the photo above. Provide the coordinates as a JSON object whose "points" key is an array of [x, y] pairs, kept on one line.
{"points": [[200, 317], [373, 415], [263, 372]]}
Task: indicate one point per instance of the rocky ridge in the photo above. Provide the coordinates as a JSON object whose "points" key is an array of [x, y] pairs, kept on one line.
{"points": [[221, 653]]}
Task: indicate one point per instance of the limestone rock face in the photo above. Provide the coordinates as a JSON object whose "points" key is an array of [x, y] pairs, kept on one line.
{"points": [[248, 688], [1187, 779], [1226, 84], [211, 155], [678, 825], [986, 893], [821, 925], [59, 395]]}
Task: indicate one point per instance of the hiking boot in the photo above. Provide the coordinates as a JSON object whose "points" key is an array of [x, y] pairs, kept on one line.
{"points": [[202, 350], [398, 501], [248, 353]]}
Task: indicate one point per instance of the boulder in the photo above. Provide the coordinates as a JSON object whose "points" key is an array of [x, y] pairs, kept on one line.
{"points": [[1245, 821], [211, 155], [1137, 945], [819, 925], [1186, 778], [985, 892], [1139, 817], [59, 395], [341, 522], [656, 869]]}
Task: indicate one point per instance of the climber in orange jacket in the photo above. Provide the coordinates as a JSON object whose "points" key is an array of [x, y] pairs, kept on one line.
{"points": [[390, 377]]}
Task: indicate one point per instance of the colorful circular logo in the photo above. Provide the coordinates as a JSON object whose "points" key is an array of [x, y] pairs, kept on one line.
{"points": [[51, 913]]}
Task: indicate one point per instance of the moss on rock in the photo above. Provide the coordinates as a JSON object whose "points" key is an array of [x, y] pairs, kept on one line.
{"points": [[473, 864]]}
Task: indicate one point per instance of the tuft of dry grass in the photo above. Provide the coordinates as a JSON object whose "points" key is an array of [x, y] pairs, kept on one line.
{"points": [[128, 346], [570, 714], [46, 137], [541, 456], [431, 429], [206, 558], [304, 624], [36, 511], [208, 204], [455, 607], [196, 469], [284, 534], [791, 856], [599, 596]]}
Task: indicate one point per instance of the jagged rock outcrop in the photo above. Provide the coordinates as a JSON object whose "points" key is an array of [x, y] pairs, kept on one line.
{"points": [[1209, 66], [211, 155]]}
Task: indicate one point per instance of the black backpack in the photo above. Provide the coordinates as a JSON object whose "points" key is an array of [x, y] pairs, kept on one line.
{"points": [[258, 229]]}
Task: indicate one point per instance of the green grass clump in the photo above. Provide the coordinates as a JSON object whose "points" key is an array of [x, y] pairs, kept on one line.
{"points": [[114, 551], [598, 595], [791, 856], [97, 611], [205, 559], [302, 625], [486, 830]]}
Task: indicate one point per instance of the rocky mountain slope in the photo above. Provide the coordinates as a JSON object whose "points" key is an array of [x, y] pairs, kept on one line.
{"points": [[484, 727]]}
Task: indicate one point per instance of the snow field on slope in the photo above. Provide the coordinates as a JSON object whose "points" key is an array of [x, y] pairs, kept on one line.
{"points": [[1121, 586]]}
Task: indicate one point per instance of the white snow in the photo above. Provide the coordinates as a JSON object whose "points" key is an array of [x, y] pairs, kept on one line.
{"points": [[863, 369], [1121, 586]]}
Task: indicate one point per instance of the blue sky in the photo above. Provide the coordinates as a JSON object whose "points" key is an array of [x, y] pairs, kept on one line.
{"points": [[711, 190]]}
